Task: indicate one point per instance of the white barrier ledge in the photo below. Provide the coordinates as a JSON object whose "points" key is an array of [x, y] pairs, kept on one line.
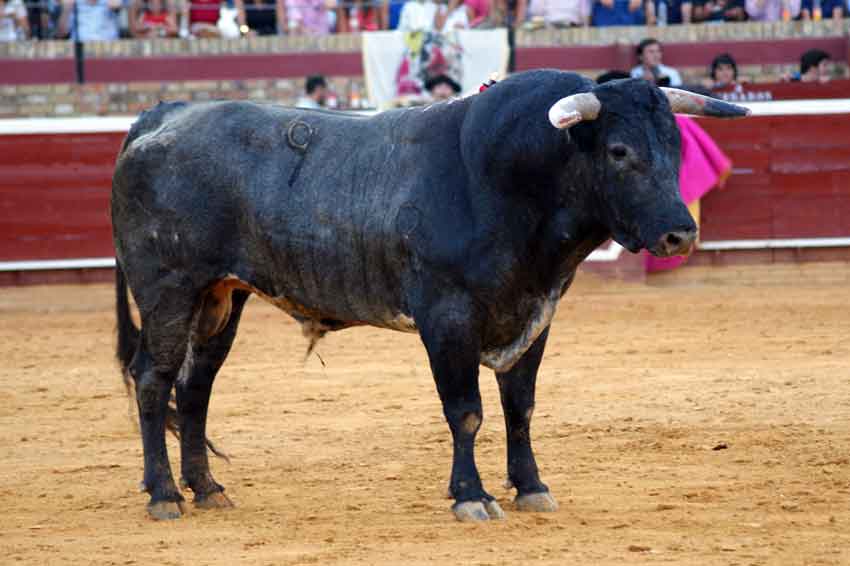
{"points": [[731, 245], [88, 125], [42, 265]]}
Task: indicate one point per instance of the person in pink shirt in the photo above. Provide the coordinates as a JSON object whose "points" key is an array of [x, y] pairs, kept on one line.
{"points": [[308, 17], [771, 10], [478, 11]]}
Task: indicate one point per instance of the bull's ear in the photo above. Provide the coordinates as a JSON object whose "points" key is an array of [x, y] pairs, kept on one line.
{"points": [[684, 102], [573, 109]]}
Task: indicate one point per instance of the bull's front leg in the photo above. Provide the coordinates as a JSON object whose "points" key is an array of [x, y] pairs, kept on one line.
{"points": [[453, 342], [517, 392]]}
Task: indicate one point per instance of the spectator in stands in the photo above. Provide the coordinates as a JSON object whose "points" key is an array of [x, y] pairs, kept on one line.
{"points": [[308, 17], [392, 12], [418, 15], [38, 19], [558, 13], [666, 12], [98, 20], [478, 12], [618, 13], [316, 91], [649, 55], [716, 11], [724, 72], [772, 10], [202, 17], [815, 67], [454, 15], [152, 18], [359, 15], [442, 87], [262, 17], [825, 9], [14, 24], [507, 13]]}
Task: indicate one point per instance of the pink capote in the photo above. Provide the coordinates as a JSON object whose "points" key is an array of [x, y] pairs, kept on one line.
{"points": [[703, 167]]}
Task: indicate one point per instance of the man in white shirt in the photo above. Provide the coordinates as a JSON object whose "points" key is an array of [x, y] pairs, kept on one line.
{"points": [[98, 19], [426, 15], [316, 90], [417, 15], [13, 21], [649, 54]]}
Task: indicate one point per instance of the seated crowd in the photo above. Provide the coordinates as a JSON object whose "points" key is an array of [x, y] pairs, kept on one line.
{"points": [[815, 67], [110, 19]]}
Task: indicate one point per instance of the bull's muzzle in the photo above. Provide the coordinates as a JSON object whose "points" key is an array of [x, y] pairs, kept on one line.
{"points": [[680, 242]]}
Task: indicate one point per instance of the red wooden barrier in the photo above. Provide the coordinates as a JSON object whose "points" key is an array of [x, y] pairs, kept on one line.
{"points": [[791, 178], [786, 91], [54, 195]]}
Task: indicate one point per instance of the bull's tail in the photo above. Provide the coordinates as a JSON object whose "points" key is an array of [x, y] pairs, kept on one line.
{"points": [[128, 344], [128, 334]]}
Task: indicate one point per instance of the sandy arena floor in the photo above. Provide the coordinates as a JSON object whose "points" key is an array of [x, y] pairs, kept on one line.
{"points": [[347, 464]]}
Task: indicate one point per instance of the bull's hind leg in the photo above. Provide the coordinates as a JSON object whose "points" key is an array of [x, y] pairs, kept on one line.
{"points": [[517, 392], [454, 351], [193, 397], [164, 338]]}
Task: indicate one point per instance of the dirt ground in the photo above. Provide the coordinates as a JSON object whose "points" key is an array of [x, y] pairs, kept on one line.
{"points": [[702, 419]]}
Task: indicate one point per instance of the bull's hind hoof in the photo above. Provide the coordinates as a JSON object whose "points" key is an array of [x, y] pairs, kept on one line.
{"points": [[215, 500], [541, 502], [165, 510], [469, 511]]}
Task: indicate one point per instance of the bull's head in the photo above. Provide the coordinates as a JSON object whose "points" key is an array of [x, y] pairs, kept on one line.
{"points": [[629, 130]]}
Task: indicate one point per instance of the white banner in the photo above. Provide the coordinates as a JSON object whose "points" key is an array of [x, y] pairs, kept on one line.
{"points": [[397, 64]]}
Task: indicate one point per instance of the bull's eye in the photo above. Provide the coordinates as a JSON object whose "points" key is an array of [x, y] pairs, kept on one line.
{"points": [[618, 151]]}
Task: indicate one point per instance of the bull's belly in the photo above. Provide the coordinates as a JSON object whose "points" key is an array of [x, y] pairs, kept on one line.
{"points": [[319, 316], [316, 321]]}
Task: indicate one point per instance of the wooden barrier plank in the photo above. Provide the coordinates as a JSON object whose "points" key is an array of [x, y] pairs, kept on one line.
{"points": [[813, 183], [752, 133], [786, 91], [224, 67], [806, 216], [810, 160], [807, 131], [730, 215], [753, 160], [32, 177]]}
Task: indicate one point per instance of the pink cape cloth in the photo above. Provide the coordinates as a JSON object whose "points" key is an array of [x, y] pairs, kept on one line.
{"points": [[703, 167]]}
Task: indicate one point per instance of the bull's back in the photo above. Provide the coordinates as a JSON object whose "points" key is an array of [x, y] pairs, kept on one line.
{"points": [[302, 205]]}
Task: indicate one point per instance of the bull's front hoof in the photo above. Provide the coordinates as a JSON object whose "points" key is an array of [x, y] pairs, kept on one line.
{"points": [[215, 500], [494, 509], [541, 502], [470, 511], [165, 510]]}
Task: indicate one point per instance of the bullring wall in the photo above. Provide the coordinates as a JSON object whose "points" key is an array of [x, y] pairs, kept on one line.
{"points": [[124, 77]]}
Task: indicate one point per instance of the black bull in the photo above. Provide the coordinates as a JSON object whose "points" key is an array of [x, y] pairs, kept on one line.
{"points": [[463, 221]]}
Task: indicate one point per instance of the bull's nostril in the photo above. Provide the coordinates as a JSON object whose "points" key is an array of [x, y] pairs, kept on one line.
{"points": [[673, 239]]}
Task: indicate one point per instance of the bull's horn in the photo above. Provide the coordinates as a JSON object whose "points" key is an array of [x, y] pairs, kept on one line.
{"points": [[684, 102], [573, 109]]}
